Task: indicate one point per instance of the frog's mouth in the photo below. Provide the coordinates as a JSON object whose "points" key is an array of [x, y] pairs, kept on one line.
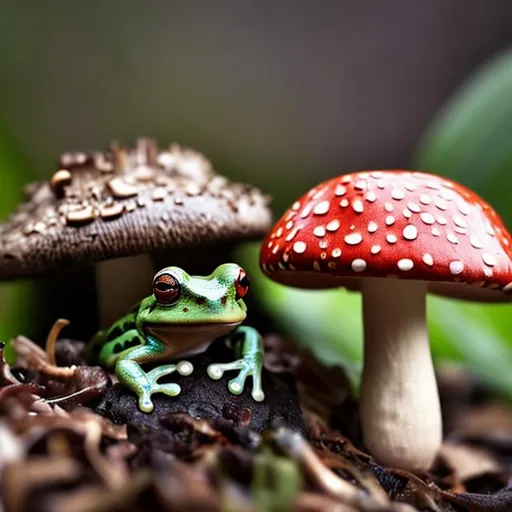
{"points": [[186, 339]]}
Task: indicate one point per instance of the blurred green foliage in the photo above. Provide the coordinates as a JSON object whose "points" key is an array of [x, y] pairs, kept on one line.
{"points": [[470, 141], [14, 172]]}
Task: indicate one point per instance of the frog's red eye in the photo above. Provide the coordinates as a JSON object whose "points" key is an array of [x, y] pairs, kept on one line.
{"points": [[241, 284], [166, 289]]}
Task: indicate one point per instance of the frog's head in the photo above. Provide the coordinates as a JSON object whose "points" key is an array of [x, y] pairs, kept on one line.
{"points": [[212, 303]]}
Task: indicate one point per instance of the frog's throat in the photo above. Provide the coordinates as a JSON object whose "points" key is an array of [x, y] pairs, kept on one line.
{"points": [[187, 339]]}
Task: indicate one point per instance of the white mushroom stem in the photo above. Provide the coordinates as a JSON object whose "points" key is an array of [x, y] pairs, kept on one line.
{"points": [[121, 283], [400, 410]]}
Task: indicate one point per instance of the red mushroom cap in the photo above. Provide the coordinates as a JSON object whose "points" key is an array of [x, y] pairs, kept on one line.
{"points": [[402, 224]]}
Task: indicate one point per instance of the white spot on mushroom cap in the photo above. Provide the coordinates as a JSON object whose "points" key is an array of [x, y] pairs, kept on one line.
{"points": [[358, 265], [397, 194], [488, 259], [456, 267], [336, 252], [319, 231], [388, 206], [360, 185], [414, 207], [357, 205], [425, 199], [296, 206], [391, 239], [372, 227], [390, 220], [407, 213], [333, 225], [340, 190], [452, 238], [459, 221], [299, 247], [464, 208], [410, 232], [306, 211], [291, 235], [428, 259], [405, 264], [436, 232], [371, 196], [321, 208], [440, 204], [344, 203], [353, 238], [375, 249], [427, 218]]}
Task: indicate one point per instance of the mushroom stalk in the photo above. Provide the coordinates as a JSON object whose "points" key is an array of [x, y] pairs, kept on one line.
{"points": [[400, 409]]}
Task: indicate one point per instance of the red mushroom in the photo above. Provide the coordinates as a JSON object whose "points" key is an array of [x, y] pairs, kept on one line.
{"points": [[394, 235]]}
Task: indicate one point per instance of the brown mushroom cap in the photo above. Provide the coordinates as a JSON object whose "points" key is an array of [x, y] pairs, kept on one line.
{"points": [[126, 202]]}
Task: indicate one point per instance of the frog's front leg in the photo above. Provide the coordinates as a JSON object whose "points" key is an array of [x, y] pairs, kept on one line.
{"points": [[144, 384], [250, 350]]}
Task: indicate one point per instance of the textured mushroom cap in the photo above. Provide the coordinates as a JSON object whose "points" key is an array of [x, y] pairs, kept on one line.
{"points": [[126, 202], [400, 224]]}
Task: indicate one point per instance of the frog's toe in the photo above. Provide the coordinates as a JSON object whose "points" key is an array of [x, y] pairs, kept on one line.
{"points": [[170, 389], [258, 395], [185, 368], [146, 404], [235, 387], [215, 372]]}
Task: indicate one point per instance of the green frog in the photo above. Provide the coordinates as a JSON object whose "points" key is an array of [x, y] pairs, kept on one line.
{"points": [[183, 316]]}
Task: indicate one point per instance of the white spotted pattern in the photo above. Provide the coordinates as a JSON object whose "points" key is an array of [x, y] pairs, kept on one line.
{"points": [[299, 247], [456, 267], [405, 264], [410, 232], [372, 227], [321, 208], [358, 265], [488, 259], [428, 259], [353, 238], [333, 225], [319, 231], [375, 249], [397, 194], [357, 205]]}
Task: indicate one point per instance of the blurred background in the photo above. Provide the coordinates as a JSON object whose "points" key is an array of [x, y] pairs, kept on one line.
{"points": [[282, 95]]}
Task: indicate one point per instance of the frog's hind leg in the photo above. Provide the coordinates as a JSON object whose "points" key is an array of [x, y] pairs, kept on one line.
{"points": [[144, 384]]}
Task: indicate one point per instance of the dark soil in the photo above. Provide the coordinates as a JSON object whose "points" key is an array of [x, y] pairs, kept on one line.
{"points": [[74, 441]]}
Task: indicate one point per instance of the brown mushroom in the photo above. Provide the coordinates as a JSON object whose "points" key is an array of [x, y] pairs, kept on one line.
{"points": [[107, 207], [394, 235]]}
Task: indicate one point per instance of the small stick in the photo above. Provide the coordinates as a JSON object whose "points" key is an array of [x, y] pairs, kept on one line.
{"points": [[51, 340]]}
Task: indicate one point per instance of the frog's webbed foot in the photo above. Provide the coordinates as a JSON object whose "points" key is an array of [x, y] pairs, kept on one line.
{"points": [[146, 384], [248, 367]]}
